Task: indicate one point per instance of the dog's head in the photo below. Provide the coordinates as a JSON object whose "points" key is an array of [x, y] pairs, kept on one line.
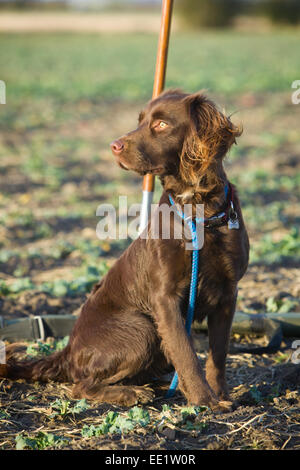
{"points": [[177, 133]]}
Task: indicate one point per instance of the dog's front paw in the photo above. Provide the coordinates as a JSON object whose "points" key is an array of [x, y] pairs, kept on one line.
{"points": [[223, 406], [213, 403]]}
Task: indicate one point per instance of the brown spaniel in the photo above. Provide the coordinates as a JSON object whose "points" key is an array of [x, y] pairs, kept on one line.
{"points": [[131, 328]]}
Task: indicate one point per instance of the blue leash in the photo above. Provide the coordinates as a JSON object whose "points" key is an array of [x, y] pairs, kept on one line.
{"points": [[193, 291], [194, 275]]}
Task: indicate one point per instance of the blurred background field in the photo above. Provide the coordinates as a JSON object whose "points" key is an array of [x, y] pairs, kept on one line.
{"points": [[71, 90]]}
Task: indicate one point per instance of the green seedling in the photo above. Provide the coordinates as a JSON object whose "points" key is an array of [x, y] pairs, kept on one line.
{"points": [[41, 441]]}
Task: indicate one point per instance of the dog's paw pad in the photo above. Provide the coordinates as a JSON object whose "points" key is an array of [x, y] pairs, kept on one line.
{"points": [[224, 406], [144, 395]]}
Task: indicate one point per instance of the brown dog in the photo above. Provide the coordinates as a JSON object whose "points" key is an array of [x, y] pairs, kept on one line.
{"points": [[131, 328]]}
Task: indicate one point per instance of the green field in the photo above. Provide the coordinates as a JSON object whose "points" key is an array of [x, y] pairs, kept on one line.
{"points": [[72, 67], [68, 97]]}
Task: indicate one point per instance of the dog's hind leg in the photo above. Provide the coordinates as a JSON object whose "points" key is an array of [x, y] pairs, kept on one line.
{"points": [[122, 395], [107, 366]]}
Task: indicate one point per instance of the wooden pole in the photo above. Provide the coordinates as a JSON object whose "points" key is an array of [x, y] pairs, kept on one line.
{"points": [[159, 83]]}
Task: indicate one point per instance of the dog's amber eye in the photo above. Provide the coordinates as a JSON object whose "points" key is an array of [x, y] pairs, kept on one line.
{"points": [[159, 125], [162, 124]]}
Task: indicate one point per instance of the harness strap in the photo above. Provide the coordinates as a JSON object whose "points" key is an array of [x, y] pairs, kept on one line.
{"points": [[36, 328]]}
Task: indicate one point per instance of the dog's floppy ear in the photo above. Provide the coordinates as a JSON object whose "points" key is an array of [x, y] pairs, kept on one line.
{"points": [[209, 137]]}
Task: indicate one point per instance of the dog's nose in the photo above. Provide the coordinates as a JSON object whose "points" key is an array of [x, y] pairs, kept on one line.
{"points": [[117, 147]]}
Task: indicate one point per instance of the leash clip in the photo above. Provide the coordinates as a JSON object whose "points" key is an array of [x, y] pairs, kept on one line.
{"points": [[233, 221]]}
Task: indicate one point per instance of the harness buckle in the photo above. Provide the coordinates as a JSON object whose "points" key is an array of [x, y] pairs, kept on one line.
{"points": [[41, 329]]}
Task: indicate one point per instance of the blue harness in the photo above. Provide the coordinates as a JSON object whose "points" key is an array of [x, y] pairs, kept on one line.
{"points": [[218, 220]]}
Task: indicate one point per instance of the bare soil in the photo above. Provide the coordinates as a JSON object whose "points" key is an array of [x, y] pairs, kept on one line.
{"points": [[265, 416]]}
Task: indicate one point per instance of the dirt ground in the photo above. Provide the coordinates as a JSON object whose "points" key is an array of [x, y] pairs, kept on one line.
{"points": [[265, 416]]}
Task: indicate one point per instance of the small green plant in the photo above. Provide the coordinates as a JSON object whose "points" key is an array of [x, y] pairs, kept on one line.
{"points": [[189, 418], [256, 395], [116, 423], [191, 410], [194, 425], [39, 442], [269, 251], [281, 358], [139, 416], [38, 348], [4, 414], [83, 283], [63, 408], [4, 289], [19, 285], [45, 349], [280, 305], [259, 397], [275, 392]]}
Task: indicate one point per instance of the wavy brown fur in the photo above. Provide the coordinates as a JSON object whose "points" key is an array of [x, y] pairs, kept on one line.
{"points": [[210, 137]]}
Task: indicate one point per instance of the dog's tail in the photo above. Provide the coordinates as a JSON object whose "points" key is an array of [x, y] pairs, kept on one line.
{"points": [[54, 367]]}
